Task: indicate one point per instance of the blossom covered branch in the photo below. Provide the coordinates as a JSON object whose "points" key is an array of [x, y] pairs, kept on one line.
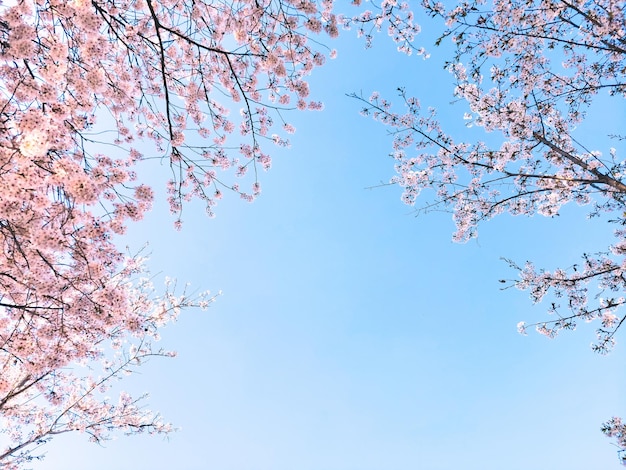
{"points": [[75, 313], [526, 71]]}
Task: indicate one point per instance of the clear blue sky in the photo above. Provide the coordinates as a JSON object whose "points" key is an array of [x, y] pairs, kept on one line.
{"points": [[352, 335]]}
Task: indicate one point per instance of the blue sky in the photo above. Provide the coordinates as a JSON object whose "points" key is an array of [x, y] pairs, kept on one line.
{"points": [[353, 336]]}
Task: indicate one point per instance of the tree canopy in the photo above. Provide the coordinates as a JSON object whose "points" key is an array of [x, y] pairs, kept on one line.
{"points": [[528, 71]]}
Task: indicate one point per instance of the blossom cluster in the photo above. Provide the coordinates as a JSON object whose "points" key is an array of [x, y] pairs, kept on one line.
{"points": [[167, 71], [526, 71]]}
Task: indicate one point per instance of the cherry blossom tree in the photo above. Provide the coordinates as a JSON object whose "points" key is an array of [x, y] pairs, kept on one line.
{"points": [[527, 71], [76, 312]]}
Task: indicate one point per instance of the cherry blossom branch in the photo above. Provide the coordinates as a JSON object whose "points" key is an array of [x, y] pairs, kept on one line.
{"points": [[618, 185]]}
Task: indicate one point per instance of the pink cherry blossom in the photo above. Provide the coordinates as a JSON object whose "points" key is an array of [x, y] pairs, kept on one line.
{"points": [[169, 72], [527, 71], [516, 84]]}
